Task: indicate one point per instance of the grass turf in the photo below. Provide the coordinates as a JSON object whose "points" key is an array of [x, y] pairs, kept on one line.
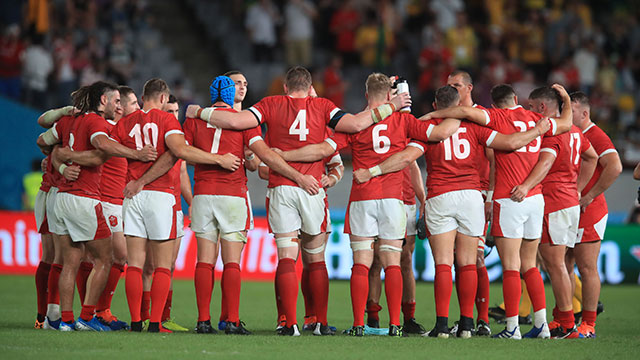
{"points": [[617, 329]]}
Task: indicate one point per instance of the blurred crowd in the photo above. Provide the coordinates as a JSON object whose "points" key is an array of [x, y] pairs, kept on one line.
{"points": [[591, 46]]}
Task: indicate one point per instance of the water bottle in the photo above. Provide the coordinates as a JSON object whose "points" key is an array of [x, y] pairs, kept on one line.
{"points": [[403, 87]]}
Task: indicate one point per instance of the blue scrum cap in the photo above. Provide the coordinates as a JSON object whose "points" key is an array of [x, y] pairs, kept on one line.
{"points": [[223, 88]]}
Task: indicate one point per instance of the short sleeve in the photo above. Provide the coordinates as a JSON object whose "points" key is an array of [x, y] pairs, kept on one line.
{"points": [[551, 145], [601, 142], [585, 144], [483, 134], [335, 114], [97, 126], [263, 109], [250, 136], [189, 128], [171, 125], [339, 141], [420, 130], [418, 145]]}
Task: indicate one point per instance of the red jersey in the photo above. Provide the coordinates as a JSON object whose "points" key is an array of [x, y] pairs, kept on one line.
{"points": [[559, 187], [408, 193], [484, 166], [177, 190], [148, 127], [452, 164], [293, 123], [512, 168], [603, 146], [77, 133], [214, 179], [373, 145], [114, 176], [45, 185]]}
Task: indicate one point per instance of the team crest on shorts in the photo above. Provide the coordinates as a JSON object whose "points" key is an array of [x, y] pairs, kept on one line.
{"points": [[113, 220]]}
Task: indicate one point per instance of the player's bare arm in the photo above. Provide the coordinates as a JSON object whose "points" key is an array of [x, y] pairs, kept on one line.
{"points": [[393, 163], [564, 122], [70, 173], [113, 148], [611, 168], [537, 174], [587, 168], [179, 147], [353, 123], [444, 130], [160, 167], [49, 117], [307, 182], [418, 186], [185, 184], [83, 158], [334, 175], [470, 113], [517, 140], [263, 171], [251, 161], [309, 153], [636, 172], [223, 119]]}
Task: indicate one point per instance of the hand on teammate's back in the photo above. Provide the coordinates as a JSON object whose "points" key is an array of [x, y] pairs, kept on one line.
{"points": [[230, 162], [71, 173], [309, 184], [192, 111], [362, 175], [147, 153]]}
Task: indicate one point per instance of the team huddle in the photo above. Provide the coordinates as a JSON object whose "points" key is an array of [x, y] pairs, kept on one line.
{"points": [[116, 173]]}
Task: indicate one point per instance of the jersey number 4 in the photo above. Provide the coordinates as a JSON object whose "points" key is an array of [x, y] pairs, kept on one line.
{"points": [[149, 133], [299, 126]]}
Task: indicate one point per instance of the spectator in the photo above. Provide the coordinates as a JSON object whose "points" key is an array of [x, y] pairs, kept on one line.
{"points": [[11, 51], [261, 21], [586, 61], [445, 12], [374, 42], [31, 184], [120, 59], [334, 85], [64, 53], [344, 23], [299, 15], [38, 65], [462, 42]]}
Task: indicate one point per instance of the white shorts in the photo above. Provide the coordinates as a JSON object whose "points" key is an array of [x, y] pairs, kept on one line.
{"points": [[179, 223], [40, 212], [461, 210], [412, 222], [518, 220], [383, 218], [82, 217], [291, 209], [561, 227], [150, 215], [56, 225], [219, 214], [113, 215]]}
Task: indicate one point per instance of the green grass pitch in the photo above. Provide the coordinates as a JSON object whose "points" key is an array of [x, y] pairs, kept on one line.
{"points": [[618, 331]]}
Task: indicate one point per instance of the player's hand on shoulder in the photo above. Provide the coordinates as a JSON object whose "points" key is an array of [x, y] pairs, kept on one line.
{"points": [[362, 175], [147, 153], [71, 173], [230, 162], [192, 110], [543, 125], [132, 189], [401, 100], [425, 117]]}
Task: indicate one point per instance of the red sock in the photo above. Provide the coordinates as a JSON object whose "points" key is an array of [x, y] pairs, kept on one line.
{"points": [[145, 306], [393, 290], [535, 287], [468, 278], [133, 289], [104, 302], [203, 281], [279, 307], [67, 316], [42, 276], [482, 294], [359, 292], [224, 308], [511, 292], [306, 292], [409, 310], [589, 317], [442, 288], [288, 288], [566, 319], [52, 284], [81, 279], [166, 312], [232, 283], [372, 310], [319, 282], [556, 313], [87, 312], [159, 292]]}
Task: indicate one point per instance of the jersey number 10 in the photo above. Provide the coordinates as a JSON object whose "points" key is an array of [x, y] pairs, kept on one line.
{"points": [[149, 133]]}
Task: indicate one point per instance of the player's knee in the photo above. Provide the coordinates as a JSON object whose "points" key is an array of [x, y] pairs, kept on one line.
{"points": [[316, 250], [363, 245], [287, 242], [211, 236]]}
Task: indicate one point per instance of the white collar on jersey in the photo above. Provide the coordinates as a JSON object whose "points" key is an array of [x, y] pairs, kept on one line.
{"points": [[111, 122], [588, 127], [515, 107]]}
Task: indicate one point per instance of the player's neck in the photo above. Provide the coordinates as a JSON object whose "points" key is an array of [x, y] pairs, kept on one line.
{"points": [[586, 124], [467, 102], [298, 94], [237, 106], [149, 105]]}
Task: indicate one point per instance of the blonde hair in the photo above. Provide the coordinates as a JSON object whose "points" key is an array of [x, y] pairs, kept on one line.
{"points": [[378, 85]]}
